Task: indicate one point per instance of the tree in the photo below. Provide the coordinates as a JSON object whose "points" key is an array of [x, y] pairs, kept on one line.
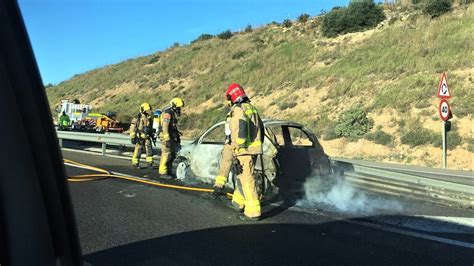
{"points": [[225, 35], [357, 16], [436, 8], [203, 37], [287, 23], [303, 18], [248, 29]]}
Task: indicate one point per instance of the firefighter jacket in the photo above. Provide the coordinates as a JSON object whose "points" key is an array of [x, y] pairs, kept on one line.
{"points": [[169, 126], [141, 126], [227, 130], [64, 120], [246, 130]]}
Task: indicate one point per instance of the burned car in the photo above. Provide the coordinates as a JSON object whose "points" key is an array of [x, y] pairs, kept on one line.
{"points": [[291, 154]]}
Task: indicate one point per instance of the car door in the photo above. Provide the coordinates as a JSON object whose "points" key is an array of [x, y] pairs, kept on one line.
{"points": [[294, 155], [205, 161], [320, 163]]}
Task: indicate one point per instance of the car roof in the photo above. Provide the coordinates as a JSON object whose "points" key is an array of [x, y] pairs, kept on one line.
{"points": [[271, 122]]}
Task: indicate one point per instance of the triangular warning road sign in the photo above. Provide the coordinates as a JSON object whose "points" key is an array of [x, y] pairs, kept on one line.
{"points": [[443, 89]]}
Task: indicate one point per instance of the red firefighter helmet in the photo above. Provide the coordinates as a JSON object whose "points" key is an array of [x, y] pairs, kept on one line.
{"points": [[235, 92]]}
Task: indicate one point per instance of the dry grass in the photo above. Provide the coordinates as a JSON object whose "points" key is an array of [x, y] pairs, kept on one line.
{"points": [[391, 71]]}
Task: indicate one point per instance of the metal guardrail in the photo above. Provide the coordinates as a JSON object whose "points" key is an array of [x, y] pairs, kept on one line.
{"points": [[104, 138], [371, 178], [410, 185]]}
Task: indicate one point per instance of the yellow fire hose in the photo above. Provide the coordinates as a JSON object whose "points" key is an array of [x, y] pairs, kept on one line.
{"points": [[104, 174]]}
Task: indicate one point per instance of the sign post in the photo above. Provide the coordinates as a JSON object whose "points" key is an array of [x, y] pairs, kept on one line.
{"points": [[444, 113], [445, 147]]}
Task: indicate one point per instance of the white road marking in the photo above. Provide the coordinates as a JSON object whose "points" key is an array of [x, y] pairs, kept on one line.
{"points": [[455, 220], [415, 234], [123, 157]]}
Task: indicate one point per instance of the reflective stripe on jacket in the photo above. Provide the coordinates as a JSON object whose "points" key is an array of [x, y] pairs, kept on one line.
{"points": [[246, 130], [138, 125], [64, 120]]}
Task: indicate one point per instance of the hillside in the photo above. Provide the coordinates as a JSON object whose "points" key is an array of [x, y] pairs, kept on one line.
{"points": [[391, 72]]}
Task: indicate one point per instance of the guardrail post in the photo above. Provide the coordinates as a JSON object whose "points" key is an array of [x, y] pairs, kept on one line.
{"points": [[104, 148], [60, 143]]}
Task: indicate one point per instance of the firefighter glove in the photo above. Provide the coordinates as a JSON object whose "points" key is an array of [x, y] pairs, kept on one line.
{"points": [[134, 141], [238, 169], [218, 192], [147, 130]]}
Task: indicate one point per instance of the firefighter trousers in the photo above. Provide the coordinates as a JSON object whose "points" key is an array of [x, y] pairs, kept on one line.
{"points": [[168, 154], [227, 159], [139, 149], [245, 194]]}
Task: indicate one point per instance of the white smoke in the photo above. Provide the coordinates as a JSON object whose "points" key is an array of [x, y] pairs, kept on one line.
{"points": [[338, 193]]}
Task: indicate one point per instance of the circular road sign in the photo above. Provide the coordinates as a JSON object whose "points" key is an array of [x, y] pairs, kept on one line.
{"points": [[444, 109]]}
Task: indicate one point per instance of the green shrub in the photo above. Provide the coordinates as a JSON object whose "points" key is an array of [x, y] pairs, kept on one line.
{"points": [[356, 17], [248, 29], [380, 137], [225, 35], [303, 18], [286, 105], [287, 23], [330, 134], [453, 139], [465, 3], [238, 55], [203, 37], [416, 136], [436, 8], [154, 59], [470, 145], [353, 123], [320, 126]]}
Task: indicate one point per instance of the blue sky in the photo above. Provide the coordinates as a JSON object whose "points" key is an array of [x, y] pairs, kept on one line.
{"points": [[73, 36]]}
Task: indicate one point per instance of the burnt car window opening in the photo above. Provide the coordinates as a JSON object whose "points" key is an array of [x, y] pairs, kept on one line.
{"points": [[276, 134], [299, 137], [215, 136]]}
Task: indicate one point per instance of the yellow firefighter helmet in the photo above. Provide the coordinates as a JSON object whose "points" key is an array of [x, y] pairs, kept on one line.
{"points": [[177, 102], [145, 107]]}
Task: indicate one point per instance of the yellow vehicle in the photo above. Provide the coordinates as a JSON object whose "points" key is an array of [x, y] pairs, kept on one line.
{"points": [[108, 123]]}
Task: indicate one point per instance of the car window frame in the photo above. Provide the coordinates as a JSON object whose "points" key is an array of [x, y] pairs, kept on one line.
{"points": [[214, 127], [288, 141]]}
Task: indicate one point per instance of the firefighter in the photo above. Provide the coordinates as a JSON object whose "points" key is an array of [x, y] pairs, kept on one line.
{"points": [[141, 130], [246, 129], [170, 136], [226, 161], [64, 121]]}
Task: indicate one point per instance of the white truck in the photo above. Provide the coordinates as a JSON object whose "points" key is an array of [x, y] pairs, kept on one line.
{"points": [[74, 109]]}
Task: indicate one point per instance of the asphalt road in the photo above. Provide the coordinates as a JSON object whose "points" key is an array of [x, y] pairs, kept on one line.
{"points": [[127, 223]]}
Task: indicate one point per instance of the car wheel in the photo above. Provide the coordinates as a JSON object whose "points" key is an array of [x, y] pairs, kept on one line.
{"points": [[182, 170]]}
